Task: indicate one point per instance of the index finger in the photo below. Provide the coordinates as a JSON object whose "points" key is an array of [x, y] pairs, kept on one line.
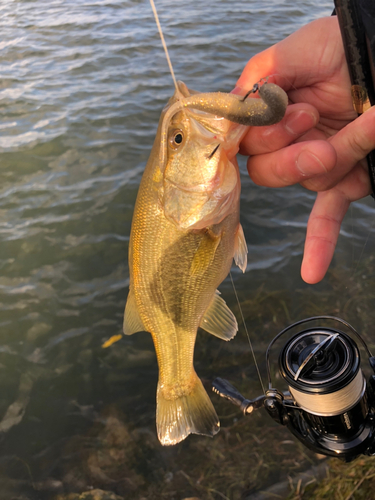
{"points": [[299, 119], [293, 68]]}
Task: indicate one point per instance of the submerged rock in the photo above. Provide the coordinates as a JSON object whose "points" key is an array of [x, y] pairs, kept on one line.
{"points": [[90, 495], [104, 459]]}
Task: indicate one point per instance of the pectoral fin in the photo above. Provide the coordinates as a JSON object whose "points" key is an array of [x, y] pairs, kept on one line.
{"points": [[205, 253], [132, 320], [240, 249], [219, 319]]}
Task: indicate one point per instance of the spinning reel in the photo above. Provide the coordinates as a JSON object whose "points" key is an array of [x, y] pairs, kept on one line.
{"points": [[329, 406]]}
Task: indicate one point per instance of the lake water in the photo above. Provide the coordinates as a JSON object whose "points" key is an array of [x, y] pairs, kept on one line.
{"points": [[82, 85]]}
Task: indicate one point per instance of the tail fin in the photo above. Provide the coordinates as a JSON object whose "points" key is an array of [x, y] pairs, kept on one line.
{"points": [[190, 414]]}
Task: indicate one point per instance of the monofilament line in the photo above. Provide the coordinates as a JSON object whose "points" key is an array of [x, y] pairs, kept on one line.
{"points": [[163, 41], [363, 247], [247, 333]]}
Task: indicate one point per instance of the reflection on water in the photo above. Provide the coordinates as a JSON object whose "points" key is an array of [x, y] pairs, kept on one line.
{"points": [[81, 89]]}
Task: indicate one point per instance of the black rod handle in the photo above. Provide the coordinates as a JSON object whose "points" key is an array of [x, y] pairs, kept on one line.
{"points": [[353, 15]]}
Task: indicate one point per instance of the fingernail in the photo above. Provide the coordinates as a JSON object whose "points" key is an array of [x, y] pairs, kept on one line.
{"points": [[239, 91], [299, 121], [309, 164]]}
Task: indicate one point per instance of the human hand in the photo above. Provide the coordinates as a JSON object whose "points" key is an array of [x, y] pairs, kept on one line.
{"points": [[320, 143]]}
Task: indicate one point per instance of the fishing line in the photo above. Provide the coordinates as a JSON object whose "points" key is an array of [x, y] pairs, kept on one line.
{"points": [[363, 248], [247, 333], [352, 237], [163, 42], [230, 274], [334, 403]]}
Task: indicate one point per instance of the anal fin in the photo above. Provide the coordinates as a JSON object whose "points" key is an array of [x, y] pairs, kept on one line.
{"points": [[219, 319], [132, 320]]}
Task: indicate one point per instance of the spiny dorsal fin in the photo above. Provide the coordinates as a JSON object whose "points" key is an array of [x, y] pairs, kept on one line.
{"points": [[240, 249], [132, 321], [219, 319]]}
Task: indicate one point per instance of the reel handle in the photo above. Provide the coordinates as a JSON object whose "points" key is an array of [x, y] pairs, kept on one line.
{"points": [[226, 390]]}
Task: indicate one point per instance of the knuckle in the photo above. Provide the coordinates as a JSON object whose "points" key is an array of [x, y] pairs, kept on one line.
{"points": [[360, 145]]}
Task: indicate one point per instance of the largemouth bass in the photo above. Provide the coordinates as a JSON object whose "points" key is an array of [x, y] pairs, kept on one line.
{"points": [[185, 234]]}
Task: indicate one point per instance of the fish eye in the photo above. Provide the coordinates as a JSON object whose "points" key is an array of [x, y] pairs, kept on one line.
{"points": [[176, 138]]}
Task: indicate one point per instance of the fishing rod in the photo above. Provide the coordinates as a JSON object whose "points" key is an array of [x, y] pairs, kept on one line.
{"points": [[329, 405], [357, 25]]}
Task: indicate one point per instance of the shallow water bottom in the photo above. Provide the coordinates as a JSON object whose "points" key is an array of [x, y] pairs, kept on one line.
{"points": [[90, 424]]}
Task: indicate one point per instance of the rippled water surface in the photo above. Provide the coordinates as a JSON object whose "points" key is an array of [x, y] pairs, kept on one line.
{"points": [[82, 84]]}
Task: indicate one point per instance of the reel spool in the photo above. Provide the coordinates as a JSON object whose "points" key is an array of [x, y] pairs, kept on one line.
{"points": [[329, 406]]}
